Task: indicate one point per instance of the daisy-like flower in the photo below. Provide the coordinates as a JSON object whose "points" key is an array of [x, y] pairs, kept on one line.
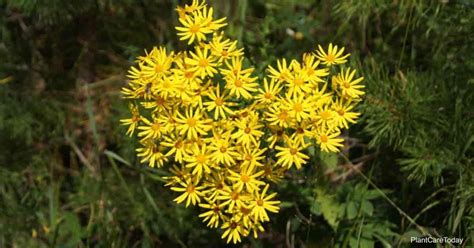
{"points": [[133, 121], [224, 48], [151, 130], [157, 64], [282, 73], [311, 69], [269, 92], [291, 155], [203, 62], [246, 178], [299, 107], [191, 191], [234, 67], [241, 85], [333, 56], [192, 124], [199, 159], [279, 115], [328, 140], [196, 5], [214, 213], [349, 88], [233, 197], [219, 104], [194, 28], [251, 156], [177, 147], [344, 114], [248, 131], [233, 231], [152, 154], [223, 152], [261, 203]]}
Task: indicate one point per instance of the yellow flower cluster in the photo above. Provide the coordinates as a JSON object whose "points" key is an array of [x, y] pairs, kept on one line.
{"points": [[225, 134]]}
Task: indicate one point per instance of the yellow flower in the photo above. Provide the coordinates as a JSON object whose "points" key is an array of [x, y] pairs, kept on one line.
{"points": [[152, 154], [282, 73], [132, 122], [223, 152], [233, 197], [344, 114], [311, 69], [333, 56], [151, 130], [199, 159], [219, 104], [348, 87], [279, 115], [241, 85], [291, 155], [299, 107], [192, 124], [195, 6], [224, 48], [251, 156], [191, 192], [203, 62], [246, 178], [261, 203], [233, 230], [194, 28], [213, 215], [157, 64], [269, 92], [328, 141], [247, 131], [178, 148]]}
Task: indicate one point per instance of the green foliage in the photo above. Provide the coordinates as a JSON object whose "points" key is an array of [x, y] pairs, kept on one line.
{"points": [[69, 176]]}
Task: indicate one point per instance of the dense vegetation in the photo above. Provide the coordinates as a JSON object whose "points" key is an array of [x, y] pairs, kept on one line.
{"points": [[69, 176]]}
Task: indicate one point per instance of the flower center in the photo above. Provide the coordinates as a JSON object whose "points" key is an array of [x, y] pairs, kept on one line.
{"points": [[155, 127], [190, 189], [219, 101], [341, 112], [178, 144], [248, 157], [299, 81], [234, 196], [330, 58], [159, 68], [347, 85], [203, 63], [223, 149], [244, 178], [293, 151], [268, 95], [260, 202], [283, 115], [191, 122], [325, 115], [238, 83], [195, 28], [298, 107], [224, 53], [216, 209], [247, 130], [310, 71], [201, 158], [233, 225], [324, 138], [189, 74]]}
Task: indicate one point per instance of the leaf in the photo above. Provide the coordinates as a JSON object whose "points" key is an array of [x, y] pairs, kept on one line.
{"points": [[351, 210], [367, 207], [328, 159], [329, 208]]}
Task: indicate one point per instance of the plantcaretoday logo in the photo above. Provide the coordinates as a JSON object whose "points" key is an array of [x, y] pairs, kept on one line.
{"points": [[433, 240]]}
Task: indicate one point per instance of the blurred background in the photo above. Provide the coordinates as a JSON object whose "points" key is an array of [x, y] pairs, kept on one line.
{"points": [[69, 176]]}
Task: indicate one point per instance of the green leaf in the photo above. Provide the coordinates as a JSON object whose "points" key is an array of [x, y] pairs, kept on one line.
{"points": [[351, 210], [328, 159], [367, 207]]}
